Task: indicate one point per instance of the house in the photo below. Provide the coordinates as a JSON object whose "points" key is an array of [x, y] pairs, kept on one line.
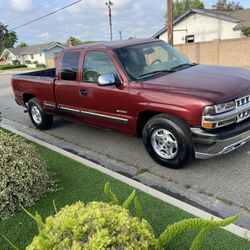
{"points": [[206, 25], [45, 53]]}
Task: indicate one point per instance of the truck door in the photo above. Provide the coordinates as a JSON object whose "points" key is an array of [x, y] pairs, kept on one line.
{"points": [[66, 86], [106, 106]]}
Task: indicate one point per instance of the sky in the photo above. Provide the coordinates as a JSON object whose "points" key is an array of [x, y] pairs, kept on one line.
{"points": [[86, 20]]}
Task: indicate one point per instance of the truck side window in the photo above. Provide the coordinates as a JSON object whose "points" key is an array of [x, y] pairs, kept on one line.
{"points": [[70, 65], [95, 64]]}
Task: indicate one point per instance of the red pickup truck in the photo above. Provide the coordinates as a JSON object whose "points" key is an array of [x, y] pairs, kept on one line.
{"points": [[146, 88]]}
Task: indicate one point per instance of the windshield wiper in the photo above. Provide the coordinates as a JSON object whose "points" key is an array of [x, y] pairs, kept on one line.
{"points": [[157, 71], [182, 65]]}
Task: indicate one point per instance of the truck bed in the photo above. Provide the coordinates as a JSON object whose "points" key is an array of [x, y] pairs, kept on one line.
{"points": [[35, 83], [48, 73]]}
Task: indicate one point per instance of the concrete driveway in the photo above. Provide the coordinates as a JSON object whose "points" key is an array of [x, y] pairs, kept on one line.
{"points": [[220, 185]]}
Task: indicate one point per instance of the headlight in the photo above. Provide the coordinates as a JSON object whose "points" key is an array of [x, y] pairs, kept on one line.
{"points": [[219, 108], [224, 107], [215, 111]]}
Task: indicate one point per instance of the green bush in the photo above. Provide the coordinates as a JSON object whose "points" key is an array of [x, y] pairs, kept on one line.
{"points": [[98, 225], [246, 31], [16, 62], [10, 66], [23, 175], [4, 65], [40, 65], [35, 62]]}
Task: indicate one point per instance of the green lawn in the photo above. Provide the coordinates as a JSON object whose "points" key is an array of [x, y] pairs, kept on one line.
{"points": [[77, 182], [22, 69]]}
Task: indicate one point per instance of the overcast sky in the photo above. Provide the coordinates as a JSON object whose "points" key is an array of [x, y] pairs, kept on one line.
{"points": [[87, 20]]}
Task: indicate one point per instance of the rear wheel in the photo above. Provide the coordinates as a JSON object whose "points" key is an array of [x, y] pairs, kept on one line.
{"points": [[39, 118], [168, 141]]}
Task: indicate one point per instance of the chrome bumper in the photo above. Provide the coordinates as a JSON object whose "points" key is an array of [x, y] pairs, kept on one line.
{"points": [[221, 147]]}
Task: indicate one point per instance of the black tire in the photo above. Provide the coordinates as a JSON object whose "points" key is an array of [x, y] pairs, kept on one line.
{"points": [[46, 120], [179, 132]]}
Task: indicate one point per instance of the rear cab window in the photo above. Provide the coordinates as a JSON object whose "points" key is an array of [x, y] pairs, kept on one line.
{"points": [[69, 66]]}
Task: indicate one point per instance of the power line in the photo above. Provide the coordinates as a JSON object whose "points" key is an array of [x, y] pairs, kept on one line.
{"points": [[26, 13], [49, 14]]}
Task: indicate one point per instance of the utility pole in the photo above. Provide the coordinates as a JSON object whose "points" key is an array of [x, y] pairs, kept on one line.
{"points": [[120, 33], [109, 4], [170, 22]]}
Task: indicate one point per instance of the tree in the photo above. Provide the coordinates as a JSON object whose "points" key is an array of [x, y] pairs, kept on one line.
{"points": [[227, 6], [181, 6], [22, 45], [7, 38], [73, 41], [246, 31]]}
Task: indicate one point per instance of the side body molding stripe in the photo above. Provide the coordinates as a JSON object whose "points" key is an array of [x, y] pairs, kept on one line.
{"points": [[95, 115]]}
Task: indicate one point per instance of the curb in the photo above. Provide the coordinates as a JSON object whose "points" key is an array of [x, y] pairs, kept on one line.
{"points": [[239, 231]]}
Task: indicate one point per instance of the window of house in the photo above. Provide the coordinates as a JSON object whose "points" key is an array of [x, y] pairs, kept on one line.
{"points": [[70, 65], [95, 64], [189, 39], [32, 56]]}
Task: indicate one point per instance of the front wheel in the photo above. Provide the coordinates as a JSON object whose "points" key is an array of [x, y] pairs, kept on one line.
{"points": [[39, 118], [168, 141]]}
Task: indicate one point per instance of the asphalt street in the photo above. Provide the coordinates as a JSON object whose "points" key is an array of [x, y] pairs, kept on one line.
{"points": [[225, 178]]}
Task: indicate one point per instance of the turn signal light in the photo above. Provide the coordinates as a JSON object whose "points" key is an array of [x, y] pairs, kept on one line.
{"points": [[208, 125]]}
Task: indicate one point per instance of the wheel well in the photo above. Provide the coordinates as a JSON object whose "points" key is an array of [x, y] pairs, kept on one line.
{"points": [[27, 97], [142, 120]]}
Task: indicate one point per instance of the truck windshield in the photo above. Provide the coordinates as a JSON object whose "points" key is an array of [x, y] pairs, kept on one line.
{"points": [[151, 60]]}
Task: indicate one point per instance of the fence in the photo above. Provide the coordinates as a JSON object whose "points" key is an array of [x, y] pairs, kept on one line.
{"points": [[233, 52]]}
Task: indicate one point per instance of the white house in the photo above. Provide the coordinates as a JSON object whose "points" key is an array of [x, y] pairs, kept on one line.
{"points": [[45, 53], [206, 25]]}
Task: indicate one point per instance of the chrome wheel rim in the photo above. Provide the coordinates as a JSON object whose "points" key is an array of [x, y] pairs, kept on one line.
{"points": [[36, 115], [164, 143]]}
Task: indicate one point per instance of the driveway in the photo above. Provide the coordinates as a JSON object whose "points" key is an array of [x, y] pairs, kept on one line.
{"points": [[220, 185]]}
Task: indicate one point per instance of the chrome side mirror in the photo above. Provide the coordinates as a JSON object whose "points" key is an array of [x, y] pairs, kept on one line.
{"points": [[106, 79]]}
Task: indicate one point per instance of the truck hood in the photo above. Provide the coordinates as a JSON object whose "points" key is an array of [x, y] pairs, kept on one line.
{"points": [[214, 83]]}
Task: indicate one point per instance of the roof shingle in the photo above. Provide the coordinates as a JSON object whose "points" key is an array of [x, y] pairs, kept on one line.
{"points": [[33, 49]]}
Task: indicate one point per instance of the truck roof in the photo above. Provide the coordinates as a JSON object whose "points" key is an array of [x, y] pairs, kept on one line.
{"points": [[114, 44]]}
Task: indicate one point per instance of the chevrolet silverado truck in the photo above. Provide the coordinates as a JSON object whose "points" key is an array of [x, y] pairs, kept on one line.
{"points": [[146, 88]]}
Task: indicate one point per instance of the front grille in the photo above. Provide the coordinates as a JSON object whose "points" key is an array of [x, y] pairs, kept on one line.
{"points": [[242, 101], [244, 115]]}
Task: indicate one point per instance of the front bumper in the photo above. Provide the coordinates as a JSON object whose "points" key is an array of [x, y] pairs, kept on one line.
{"points": [[208, 144]]}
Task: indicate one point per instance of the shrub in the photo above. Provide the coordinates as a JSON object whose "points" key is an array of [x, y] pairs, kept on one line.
{"points": [[98, 225], [40, 65], [28, 62], [23, 175], [246, 31], [10, 66], [15, 62], [35, 62], [4, 65]]}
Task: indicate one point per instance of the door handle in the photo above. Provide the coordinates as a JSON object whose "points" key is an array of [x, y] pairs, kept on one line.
{"points": [[83, 92]]}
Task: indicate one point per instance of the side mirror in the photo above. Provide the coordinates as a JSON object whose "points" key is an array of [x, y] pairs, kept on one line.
{"points": [[106, 79]]}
